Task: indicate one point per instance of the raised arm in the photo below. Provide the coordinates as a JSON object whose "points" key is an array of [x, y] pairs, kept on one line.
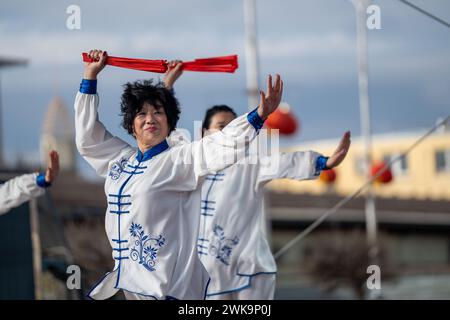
{"points": [[219, 150], [21, 189], [97, 146], [174, 71], [300, 165]]}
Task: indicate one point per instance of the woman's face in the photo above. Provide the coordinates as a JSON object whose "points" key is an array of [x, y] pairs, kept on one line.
{"points": [[219, 121], [150, 126]]}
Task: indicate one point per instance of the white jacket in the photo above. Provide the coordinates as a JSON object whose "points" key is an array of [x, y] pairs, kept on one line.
{"points": [[18, 190], [232, 240], [153, 203]]}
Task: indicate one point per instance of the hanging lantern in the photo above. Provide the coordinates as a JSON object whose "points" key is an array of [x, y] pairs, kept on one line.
{"points": [[385, 177], [328, 176], [283, 120]]}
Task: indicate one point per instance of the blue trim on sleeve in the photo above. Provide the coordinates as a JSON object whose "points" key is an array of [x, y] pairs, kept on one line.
{"points": [[321, 164], [88, 86], [255, 120], [40, 181]]}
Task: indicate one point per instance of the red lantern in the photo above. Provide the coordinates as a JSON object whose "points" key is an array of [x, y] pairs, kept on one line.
{"points": [[386, 176], [283, 120], [328, 176]]}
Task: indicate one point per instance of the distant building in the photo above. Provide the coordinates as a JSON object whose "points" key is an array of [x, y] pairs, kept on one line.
{"points": [[413, 213], [423, 174]]}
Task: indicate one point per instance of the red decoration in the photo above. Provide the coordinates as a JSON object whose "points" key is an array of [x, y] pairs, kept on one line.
{"points": [[328, 176], [217, 64], [283, 120], [385, 177]]}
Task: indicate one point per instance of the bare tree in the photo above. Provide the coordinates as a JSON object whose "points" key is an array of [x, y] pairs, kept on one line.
{"points": [[341, 258]]}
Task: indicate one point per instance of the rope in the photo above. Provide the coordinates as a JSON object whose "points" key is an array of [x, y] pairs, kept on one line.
{"points": [[345, 200]]}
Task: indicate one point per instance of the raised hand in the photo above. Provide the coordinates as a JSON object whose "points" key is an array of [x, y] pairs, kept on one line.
{"points": [[53, 167], [340, 152], [174, 71], [92, 69], [268, 103]]}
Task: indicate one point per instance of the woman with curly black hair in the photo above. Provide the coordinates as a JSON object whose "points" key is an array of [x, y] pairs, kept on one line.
{"points": [[153, 191]]}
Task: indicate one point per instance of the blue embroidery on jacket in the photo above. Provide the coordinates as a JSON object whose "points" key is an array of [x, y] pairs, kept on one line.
{"points": [[117, 168], [146, 247], [222, 247]]}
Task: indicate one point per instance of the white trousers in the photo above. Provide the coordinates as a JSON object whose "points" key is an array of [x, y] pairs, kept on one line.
{"points": [[262, 287], [135, 296]]}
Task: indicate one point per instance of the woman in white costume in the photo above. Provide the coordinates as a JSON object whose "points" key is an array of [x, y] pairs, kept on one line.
{"points": [[232, 239], [23, 188], [232, 242], [154, 190]]}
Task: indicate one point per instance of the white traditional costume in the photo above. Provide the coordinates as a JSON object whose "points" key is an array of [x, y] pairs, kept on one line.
{"points": [[21, 189], [232, 240], [153, 201]]}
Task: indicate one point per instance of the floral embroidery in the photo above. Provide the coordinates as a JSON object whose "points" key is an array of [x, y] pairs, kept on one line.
{"points": [[117, 168], [222, 246], [146, 247]]}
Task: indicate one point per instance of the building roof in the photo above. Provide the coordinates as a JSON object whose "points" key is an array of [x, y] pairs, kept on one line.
{"points": [[305, 208]]}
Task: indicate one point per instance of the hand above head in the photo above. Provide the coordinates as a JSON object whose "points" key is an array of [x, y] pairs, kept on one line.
{"points": [[268, 103], [53, 167], [174, 71], [92, 69], [340, 152]]}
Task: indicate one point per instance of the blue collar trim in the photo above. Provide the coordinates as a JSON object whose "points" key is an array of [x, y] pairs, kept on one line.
{"points": [[153, 151]]}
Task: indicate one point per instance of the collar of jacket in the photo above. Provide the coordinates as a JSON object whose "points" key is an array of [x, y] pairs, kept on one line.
{"points": [[153, 151]]}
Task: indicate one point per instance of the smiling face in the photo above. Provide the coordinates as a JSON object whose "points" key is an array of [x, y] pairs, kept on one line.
{"points": [[150, 126], [219, 121]]}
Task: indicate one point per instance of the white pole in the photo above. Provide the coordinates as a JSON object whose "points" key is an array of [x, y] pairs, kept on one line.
{"points": [[1, 126], [363, 83], [36, 249], [251, 53]]}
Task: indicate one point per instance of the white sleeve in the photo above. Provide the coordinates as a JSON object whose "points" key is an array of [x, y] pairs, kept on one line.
{"points": [[214, 152], [97, 146], [299, 165], [18, 190]]}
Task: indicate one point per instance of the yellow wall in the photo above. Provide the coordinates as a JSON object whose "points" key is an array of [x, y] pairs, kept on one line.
{"points": [[421, 181]]}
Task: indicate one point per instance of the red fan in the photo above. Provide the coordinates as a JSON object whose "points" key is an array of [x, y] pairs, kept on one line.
{"points": [[217, 64]]}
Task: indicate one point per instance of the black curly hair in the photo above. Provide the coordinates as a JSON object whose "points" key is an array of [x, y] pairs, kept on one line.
{"points": [[137, 93]]}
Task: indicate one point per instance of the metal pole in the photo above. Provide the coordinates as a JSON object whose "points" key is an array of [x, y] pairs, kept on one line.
{"points": [[251, 53], [36, 249], [363, 83], [1, 126]]}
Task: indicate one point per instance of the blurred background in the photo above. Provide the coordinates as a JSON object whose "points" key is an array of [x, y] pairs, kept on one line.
{"points": [[321, 54]]}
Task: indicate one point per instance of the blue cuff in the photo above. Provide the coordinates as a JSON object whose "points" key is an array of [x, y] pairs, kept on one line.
{"points": [[255, 120], [321, 164], [88, 86], [40, 181]]}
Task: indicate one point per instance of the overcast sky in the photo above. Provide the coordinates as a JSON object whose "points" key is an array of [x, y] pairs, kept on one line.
{"points": [[311, 43]]}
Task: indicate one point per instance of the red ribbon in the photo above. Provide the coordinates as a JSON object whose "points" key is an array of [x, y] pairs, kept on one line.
{"points": [[217, 64]]}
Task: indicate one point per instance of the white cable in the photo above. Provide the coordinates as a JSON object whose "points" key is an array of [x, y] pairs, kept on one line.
{"points": [[329, 212]]}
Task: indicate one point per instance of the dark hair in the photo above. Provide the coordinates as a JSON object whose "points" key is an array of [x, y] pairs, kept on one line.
{"points": [[138, 93], [214, 110]]}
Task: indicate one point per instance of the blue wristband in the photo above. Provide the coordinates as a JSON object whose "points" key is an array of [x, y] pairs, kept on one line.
{"points": [[255, 120], [40, 181], [88, 86], [321, 164]]}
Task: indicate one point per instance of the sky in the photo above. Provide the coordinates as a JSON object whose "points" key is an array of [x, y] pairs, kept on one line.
{"points": [[310, 43]]}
